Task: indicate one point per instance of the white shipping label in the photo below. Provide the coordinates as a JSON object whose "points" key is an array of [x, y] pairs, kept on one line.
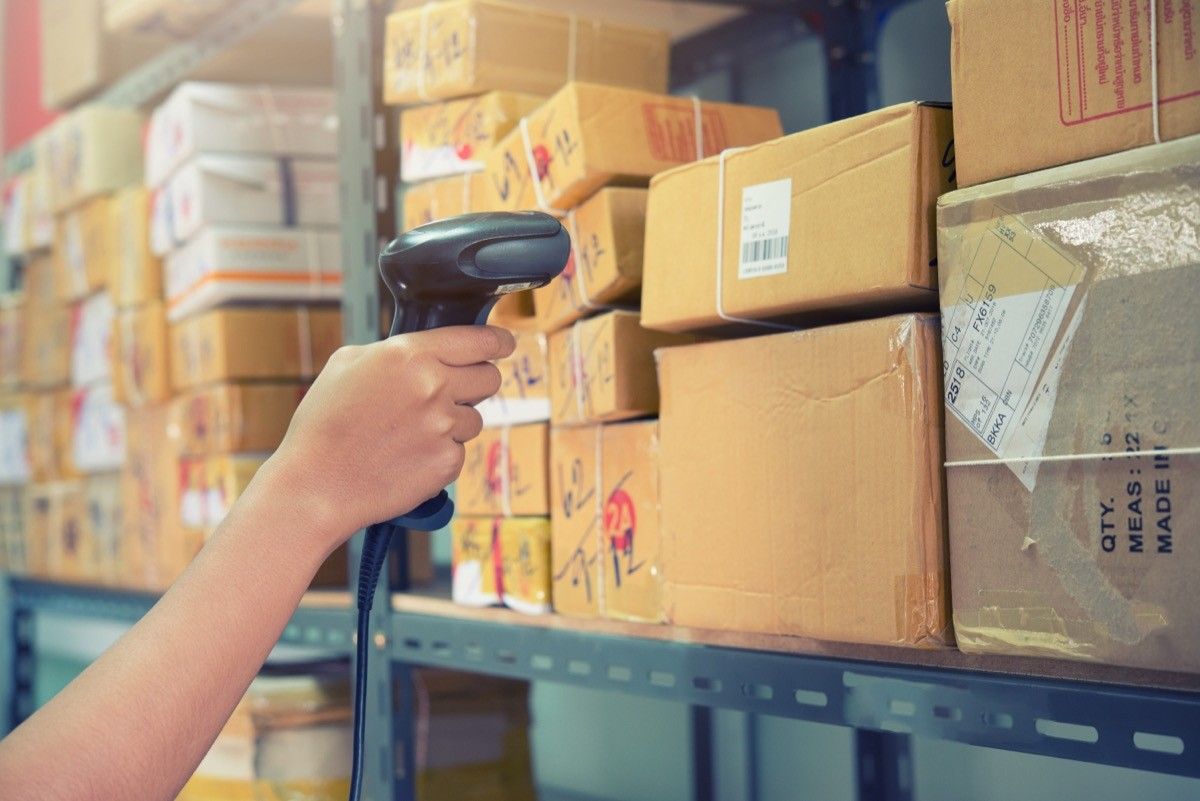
{"points": [[997, 335], [766, 217]]}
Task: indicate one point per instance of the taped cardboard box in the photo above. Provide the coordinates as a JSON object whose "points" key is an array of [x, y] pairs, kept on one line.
{"points": [[85, 248], [141, 368], [46, 348], [505, 473], [136, 273], [602, 369], [56, 541], [45, 452], [97, 430], [801, 481], [234, 418], [588, 135], [456, 136], [39, 280], [1072, 346], [92, 340], [15, 465], [1038, 85], [93, 150], [150, 499], [12, 529], [290, 343], [605, 542], [466, 47], [607, 235], [524, 394], [831, 223], [445, 197], [214, 189], [103, 522], [502, 561], [11, 324], [200, 117], [251, 264]]}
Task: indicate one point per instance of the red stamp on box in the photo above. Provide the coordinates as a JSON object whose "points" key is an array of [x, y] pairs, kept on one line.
{"points": [[1104, 53], [671, 131]]}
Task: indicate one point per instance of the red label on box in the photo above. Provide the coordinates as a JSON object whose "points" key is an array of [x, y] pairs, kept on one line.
{"points": [[671, 131]]}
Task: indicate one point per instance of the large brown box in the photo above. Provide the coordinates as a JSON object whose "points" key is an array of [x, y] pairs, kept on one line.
{"points": [[445, 197], [524, 394], [85, 248], [285, 342], [830, 223], [602, 369], [1072, 346], [801, 479], [607, 234], [465, 47], [502, 560], [505, 473], [588, 135], [46, 347], [605, 543], [1041, 84], [456, 136], [141, 373], [135, 274], [234, 418]]}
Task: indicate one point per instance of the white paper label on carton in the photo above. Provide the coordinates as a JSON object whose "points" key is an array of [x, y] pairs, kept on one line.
{"points": [[1014, 296], [766, 216]]}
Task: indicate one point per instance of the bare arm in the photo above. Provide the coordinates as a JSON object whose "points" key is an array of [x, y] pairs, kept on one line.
{"points": [[380, 431]]}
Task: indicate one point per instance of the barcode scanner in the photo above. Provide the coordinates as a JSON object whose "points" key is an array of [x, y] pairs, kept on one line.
{"points": [[449, 272]]}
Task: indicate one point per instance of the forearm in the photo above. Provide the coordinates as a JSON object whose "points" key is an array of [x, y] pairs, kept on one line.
{"points": [[115, 732]]}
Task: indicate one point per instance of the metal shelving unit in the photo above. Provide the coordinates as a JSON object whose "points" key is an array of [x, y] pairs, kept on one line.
{"points": [[1091, 714]]}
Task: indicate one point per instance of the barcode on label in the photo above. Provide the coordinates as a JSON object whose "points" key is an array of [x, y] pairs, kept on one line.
{"points": [[764, 250]]}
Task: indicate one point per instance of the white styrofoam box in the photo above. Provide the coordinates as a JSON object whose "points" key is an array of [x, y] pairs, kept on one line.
{"points": [[244, 190], [224, 264], [97, 429], [14, 446], [91, 339], [199, 118]]}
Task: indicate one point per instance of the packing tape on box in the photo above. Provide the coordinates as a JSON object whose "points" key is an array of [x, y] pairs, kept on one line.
{"points": [[576, 356], [1154, 102], [720, 301], [505, 469], [1070, 457]]}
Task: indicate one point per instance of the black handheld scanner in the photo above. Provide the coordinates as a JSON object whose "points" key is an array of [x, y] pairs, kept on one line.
{"points": [[452, 272]]}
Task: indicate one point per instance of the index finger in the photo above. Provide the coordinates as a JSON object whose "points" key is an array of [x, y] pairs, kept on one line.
{"points": [[463, 345]]}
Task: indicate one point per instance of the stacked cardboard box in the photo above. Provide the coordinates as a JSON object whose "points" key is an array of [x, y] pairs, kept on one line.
{"points": [[800, 472]]}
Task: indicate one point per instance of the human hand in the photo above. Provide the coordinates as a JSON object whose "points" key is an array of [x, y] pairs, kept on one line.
{"points": [[382, 428]]}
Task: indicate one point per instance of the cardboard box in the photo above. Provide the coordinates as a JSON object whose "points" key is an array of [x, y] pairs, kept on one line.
{"points": [[605, 542], [44, 450], [1036, 87], [85, 248], [135, 276], [141, 368], [588, 135], [291, 342], [465, 47], [150, 499], [15, 468], [524, 395], [97, 430], [92, 150], [103, 520], [78, 57], [40, 282], [56, 542], [502, 561], [92, 340], [11, 326], [602, 369], [801, 481], [240, 264], [1072, 357], [215, 189], [203, 118], [12, 529], [835, 222], [46, 347], [456, 136], [234, 418], [505, 473], [445, 197], [607, 234]]}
